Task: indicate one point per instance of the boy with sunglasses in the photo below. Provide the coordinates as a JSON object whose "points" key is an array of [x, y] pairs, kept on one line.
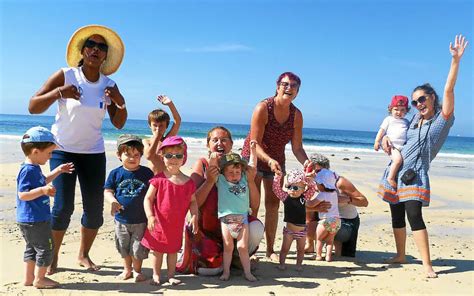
{"points": [[296, 195], [395, 126], [125, 190]]}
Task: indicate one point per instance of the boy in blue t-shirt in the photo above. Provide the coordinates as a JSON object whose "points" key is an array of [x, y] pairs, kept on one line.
{"points": [[125, 189], [33, 213]]}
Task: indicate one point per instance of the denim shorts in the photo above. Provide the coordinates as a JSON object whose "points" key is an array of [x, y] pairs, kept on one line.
{"points": [[127, 240], [39, 242], [90, 171]]}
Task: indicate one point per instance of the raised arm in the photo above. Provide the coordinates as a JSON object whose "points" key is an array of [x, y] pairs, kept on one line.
{"points": [[297, 140], [456, 50], [278, 187], [165, 100]]}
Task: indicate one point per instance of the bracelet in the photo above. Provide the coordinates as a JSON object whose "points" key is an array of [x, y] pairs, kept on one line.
{"points": [[121, 107], [60, 93]]}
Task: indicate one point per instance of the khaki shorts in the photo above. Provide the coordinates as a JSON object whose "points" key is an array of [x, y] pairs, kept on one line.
{"points": [[127, 240]]}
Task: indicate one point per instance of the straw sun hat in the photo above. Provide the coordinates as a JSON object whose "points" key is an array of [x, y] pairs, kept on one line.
{"points": [[113, 40]]}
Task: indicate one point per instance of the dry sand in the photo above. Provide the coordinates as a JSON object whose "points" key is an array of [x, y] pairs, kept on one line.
{"points": [[449, 220]]}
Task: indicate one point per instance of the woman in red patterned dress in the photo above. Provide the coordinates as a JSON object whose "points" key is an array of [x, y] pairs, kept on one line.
{"points": [[275, 123]]}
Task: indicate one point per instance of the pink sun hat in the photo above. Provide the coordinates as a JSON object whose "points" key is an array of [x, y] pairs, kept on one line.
{"points": [[175, 141]]}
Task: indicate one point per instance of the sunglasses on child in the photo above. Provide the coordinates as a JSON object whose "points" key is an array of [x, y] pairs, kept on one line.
{"points": [[171, 155], [420, 100], [101, 46], [294, 187]]}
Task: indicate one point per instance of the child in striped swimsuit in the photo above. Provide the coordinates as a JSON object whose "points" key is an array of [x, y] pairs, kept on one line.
{"points": [[296, 195]]}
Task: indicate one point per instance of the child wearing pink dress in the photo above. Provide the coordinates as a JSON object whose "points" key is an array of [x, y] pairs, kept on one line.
{"points": [[168, 199]]}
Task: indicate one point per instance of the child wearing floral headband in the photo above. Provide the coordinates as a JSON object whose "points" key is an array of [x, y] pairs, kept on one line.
{"points": [[296, 195]]}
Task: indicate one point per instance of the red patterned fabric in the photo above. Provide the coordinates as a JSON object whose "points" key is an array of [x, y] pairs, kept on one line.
{"points": [[275, 136]]}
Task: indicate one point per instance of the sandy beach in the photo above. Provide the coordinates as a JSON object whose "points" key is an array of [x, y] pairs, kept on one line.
{"points": [[449, 219]]}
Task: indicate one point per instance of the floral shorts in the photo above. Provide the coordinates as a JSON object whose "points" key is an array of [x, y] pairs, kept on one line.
{"points": [[332, 224]]}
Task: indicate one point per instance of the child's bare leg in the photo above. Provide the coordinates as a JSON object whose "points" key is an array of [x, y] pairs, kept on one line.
{"points": [[397, 161], [171, 259], [127, 268], [285, 248], [300, 242], [329, 244], [228, 242], [242, 247], [29, 273], [157, 261], [137, 270], [338, 248], [41, 281], [321, 234]]}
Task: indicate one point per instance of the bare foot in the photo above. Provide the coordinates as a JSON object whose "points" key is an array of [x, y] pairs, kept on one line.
{"points": [[299, 267], [281, 267], [225, 276], [53, 268], [396, 260], [392, 183], [430, 273], [319, 258], [88, 264], [125, 275], [174, 281], [155, 281], [309, 248], [273, 257], [328, 257], [139, 277], [28, 283], [250, 277], [45, 283]]}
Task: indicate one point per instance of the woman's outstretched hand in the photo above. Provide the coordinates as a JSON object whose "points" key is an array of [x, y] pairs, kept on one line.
{"points": [[460, 43]]}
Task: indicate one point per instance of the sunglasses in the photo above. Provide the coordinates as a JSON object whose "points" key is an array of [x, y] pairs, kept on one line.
{"points": [[101, 46], [171, 155], [420, 100], [286, 84], [294, 187]]}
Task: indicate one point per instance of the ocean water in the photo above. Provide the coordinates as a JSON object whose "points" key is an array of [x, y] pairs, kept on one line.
{"points": [[314, 139]]}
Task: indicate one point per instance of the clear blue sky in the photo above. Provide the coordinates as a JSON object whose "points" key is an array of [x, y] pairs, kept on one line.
{"points": [[217, 59]]}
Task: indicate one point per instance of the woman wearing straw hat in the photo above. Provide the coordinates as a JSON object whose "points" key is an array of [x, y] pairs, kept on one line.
{"points": [[84, 93]]}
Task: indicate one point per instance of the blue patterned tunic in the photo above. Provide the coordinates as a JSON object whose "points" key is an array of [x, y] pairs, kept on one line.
{"points": [[435, 135]]}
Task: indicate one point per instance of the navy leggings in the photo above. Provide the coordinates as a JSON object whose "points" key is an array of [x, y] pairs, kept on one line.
{"points": [[90, 170], [413, 210]]}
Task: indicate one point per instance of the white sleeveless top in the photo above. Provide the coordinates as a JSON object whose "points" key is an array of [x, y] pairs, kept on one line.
{"points": [[78, 123]]}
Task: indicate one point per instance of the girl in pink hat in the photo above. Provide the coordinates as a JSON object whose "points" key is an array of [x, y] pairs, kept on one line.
{"points": [[395, 126], [295, 194], [168, 199]]}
